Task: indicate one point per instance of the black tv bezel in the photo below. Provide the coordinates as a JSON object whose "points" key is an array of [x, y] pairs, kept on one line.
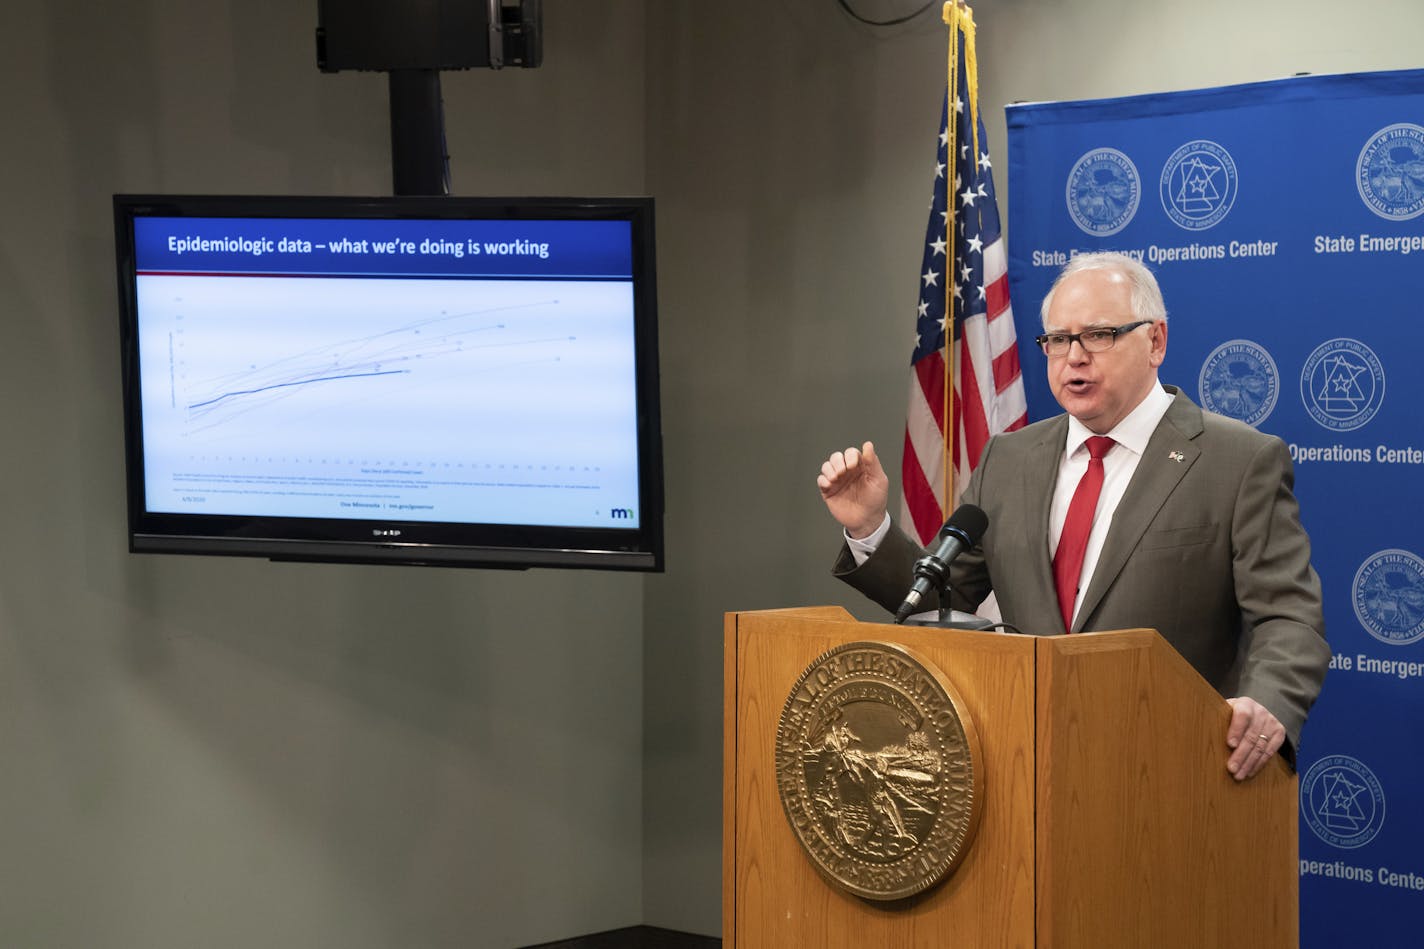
{"points": [[338, 540]]}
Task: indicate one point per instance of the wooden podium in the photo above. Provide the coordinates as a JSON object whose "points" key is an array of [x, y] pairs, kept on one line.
{"points": [[1109, 818]]}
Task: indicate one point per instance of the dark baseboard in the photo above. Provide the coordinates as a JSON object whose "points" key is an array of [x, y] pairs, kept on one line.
{"points": [[635, 937]]}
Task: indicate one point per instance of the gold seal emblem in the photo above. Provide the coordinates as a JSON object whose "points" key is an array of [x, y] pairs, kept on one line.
{"points": [[878, 768]]}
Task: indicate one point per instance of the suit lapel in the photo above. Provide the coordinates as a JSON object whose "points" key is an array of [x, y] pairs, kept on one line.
{"points": [[1169, 456], [1039, 477]]}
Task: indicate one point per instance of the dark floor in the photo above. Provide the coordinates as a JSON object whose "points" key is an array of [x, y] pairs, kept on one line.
{"points": [[635, 937]]}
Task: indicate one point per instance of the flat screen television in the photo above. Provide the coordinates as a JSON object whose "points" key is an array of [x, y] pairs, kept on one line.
{"points": [[418, 380]]}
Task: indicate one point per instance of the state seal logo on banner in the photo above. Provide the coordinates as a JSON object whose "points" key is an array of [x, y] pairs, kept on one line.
{"points": [[1342, 801], [1388, 594], [1198, 185], [1104, 190], [1390, 172], [1239, 378], [1342, 384]]}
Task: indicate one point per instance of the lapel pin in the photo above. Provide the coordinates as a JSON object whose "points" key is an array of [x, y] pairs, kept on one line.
{"points": [[1177, 456]]}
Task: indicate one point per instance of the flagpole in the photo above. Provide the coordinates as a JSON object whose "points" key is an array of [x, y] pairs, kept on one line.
{"points": [[951, 14]]}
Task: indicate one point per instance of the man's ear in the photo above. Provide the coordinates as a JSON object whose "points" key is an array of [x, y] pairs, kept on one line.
{"points": [[1159, 342]]}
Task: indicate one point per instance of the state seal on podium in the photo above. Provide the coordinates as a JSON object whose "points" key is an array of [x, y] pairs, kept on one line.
{"points": [[878, 769]]}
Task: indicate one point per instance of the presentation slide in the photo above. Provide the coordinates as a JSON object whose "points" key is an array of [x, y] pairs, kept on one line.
{"points": [[471, 371]]}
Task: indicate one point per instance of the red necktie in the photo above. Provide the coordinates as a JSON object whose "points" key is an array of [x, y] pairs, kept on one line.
{"points": [[1073, 542]]}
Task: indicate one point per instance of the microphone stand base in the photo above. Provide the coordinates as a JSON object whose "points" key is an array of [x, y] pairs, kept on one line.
{"points": [[952, 619]]}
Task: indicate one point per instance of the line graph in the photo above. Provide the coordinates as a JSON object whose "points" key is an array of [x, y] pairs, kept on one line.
{"points": [[267, 373]]}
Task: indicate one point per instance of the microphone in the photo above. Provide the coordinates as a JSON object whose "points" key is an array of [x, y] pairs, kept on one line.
{"points": [[961, 532]]}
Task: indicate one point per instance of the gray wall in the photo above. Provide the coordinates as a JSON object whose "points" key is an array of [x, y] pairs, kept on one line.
{"points": [[236, 753]]}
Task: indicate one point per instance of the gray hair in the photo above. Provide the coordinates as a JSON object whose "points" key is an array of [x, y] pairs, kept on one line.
{"points": [[1147, 301]]}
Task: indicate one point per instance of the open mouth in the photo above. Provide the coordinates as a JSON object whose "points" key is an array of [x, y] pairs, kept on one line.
{"points": [[1077, 386]]}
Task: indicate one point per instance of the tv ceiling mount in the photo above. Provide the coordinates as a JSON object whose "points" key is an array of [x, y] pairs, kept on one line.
{"points": [[412, 42]]}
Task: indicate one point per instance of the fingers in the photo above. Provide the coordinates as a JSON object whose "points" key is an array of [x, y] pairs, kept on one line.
{"points": [[1254, 735], [832, 471], [844, 467], [1240, 720]]}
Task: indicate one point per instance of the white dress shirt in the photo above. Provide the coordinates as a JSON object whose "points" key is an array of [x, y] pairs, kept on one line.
{"points": [[1131, 436]]}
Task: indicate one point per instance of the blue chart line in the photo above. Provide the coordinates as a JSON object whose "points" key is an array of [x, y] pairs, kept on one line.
{"points": [[301, 382]]}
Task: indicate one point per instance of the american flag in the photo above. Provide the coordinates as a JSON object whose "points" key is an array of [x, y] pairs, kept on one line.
{"points": [[988, 394]]}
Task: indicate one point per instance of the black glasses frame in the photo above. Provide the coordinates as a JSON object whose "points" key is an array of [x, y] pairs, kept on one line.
{"points": [[1098, 334]]}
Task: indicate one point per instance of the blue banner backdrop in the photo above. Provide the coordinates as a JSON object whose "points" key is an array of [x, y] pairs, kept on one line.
{"points": [[1285, 222]]}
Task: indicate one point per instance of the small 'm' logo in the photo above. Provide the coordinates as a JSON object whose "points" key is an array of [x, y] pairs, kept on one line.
{"points": [[1104, 189], [621, 513], [1342, 801], [1388, 594], [1198, 185], [1342, 384], [1390, 172], [1239, 378]]}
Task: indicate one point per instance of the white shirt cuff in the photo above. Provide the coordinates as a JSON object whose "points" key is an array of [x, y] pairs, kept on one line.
{"points": [[862, 549]]}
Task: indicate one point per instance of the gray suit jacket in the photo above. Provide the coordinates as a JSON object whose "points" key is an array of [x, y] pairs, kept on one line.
{"points": [[1206, 547]]}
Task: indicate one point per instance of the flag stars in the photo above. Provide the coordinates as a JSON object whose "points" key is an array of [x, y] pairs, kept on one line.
{"points": [[966, 272], [984, 160], [969, 196], [930, 278], [976, 245], [924, 310], [959, 105], [939, 173], [938, 245]]}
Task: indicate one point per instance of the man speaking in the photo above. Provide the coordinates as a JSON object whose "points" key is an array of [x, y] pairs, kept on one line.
{"points": [[1135, 508]]}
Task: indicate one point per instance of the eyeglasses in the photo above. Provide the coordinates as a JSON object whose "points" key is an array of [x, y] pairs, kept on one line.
{"points": [[1096, 340]]}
